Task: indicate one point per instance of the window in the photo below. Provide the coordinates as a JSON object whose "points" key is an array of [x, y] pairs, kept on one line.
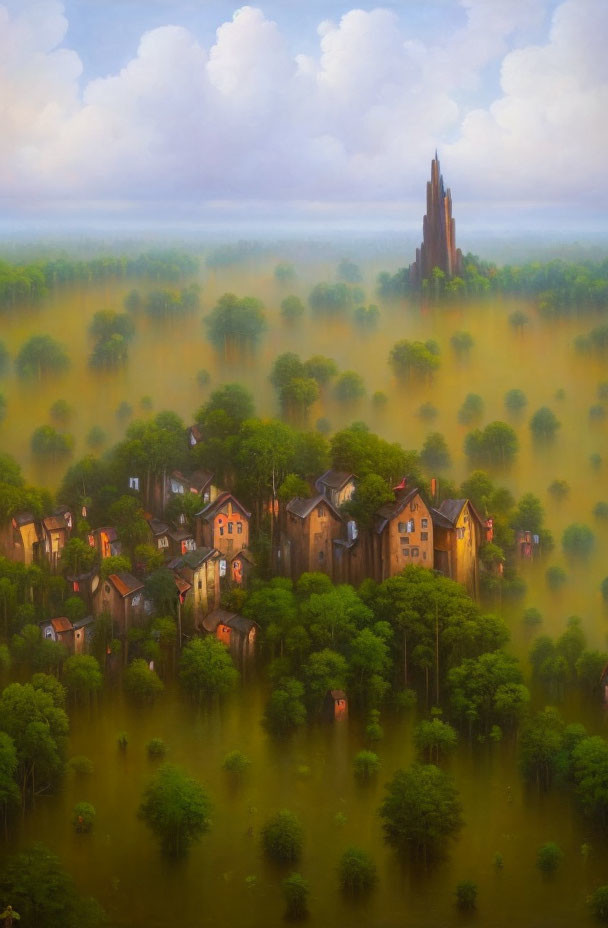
{"points": [[321, 556], [424, 523], [134, 483], [230, 527], [460, 533], [239, 528], [424, 555], [405, 552], [405, 539], [410, 526], [222, 568], [200, 584], [402, 528], [321, 512], [221, 529], [163, 542], [415, 552], [48, 633], [424, 536]]}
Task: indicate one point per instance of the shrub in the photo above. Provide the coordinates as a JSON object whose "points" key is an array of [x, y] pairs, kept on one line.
{"points": [[295, 892], [515, 400], [80, 765], [466, 894], [156, 747], [598, 902], [142, 684], [544, 423], [366, 765], [236, 764], [578, 540], [357, 871], [600, 510], [282, 837], [83, 817], [549, 857], [532, 616], [555, 577]]}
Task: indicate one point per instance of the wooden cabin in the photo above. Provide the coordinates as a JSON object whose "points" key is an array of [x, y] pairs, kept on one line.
{"points": [[121, 597], [336, 705], [403, 535], [201, 568], [311, 527], [235, 631], [105, 540], [200, 483], [55, 534], [59, 629], [337, 486], [20, 538], [459, 532], [241, 565], [83, 631], [223, 524]]}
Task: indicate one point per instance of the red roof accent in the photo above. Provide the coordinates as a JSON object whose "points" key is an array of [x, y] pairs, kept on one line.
{"points": [[62, 625]]}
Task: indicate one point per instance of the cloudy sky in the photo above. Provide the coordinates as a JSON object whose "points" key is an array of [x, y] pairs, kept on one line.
{"points": [[152, 107]]}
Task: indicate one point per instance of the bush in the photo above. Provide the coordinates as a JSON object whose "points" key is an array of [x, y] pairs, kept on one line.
{"points": [[578, 540], [357, 871], [142, 684], [83, 817], [544, 423], [176, 808], [600, 510], [559, 489], [203, 377], [366, 765], [515, 400], [349, 387], [282, 837], [296, 892], [462, 342], [466, 894], [555, 577], [427, 412], [598, 902], [80, 765], [471, 409], [532, 616], [236, 764], [549, 857], [122, 740], [156, 747]]}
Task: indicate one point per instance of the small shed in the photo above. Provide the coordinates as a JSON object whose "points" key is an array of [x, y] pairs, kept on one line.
{"points": [[59, 629], [235, 631], [83, 630], [336, 703]]}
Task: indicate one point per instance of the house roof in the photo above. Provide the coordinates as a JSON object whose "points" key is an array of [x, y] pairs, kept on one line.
{"points": [[231, 619], [23, 518], [337, 694], [241, 624], [54, 523], [62, 625], [211, 509], [245, 553], [194, 559], [450, 510], [179, 534], [125, 583], [440, 520], [303, 507], [390, 510], [182, 585], [84, 623], [334, 479], [109, 531], [157, 527]]}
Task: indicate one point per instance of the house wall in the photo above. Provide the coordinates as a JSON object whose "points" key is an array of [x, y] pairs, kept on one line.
{"points": [[400, 547], [230, 530], [311, 547], [465, 548]]}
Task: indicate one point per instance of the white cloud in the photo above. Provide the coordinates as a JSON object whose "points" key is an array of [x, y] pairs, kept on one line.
{"points": [[357, 119]]}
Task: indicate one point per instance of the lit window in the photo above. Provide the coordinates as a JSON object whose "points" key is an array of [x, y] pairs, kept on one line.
{"points": [[230, 527], [402, 528], [424, 523], [239, 528], [405, 552]]}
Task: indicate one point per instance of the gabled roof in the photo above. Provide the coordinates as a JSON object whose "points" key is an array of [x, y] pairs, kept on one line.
{"points": [[303, 507], [245, 553], [390, 510], [210, 510], [334, 479], [231, 619], [62, 625], [84, 623], [440, 520], [182, 585], [194, 559], [125, 583], [179, 534], [54, 523], [23, 518], [450, 510], [157, 527]]}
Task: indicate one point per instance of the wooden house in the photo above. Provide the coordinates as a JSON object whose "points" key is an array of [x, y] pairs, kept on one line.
{"points": [[84, 585], [403, 535], [311, 527], [20, 538], [105, 540], [121, 597], [235, 631], [159, 531], [336, 705], [83, 630], [458, 533], [201, 568], [55, 534], [59, 629], [223, 524], [241, 565], [337, 486], [200, 483]]}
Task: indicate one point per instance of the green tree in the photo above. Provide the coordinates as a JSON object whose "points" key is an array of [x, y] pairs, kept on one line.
{"points": [[549, 857], [295, 891], [421, 810], [435, 454], [578, 540], [176, 808], [82, 677], [487, 691], [285, 709], [9, 791], [236, 765], [515, 400], [324, 670], [43, 893], [128, 517], [471, 409], [206, 670], [413, 359], [349, 386], [590, 773], [598, 901], [540, 747], [357, 871], [544, 423], [434, 740], [235, 322], [462, 342], [39, 356], [321, 369], [83, 817], [282, 837], [466, 894], [47, 443], [292, 308], [366, 765], [142, 684], [496, 444]]}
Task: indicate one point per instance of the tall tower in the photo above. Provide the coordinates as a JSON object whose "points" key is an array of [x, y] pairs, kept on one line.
{"points": [[438, 248]]}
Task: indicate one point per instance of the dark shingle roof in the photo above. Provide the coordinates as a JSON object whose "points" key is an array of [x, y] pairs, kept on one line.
{"points": [[211, 508], [391, 510], [125, 583], [450, 510], [334, 479], [303, 507], [157, 527], [440, 520]]}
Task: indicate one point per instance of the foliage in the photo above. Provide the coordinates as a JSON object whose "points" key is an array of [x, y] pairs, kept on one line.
{"points": [[236, 765], [292, 308], [156, 747], [544, 423], [435, 454], [366, 316], [471, 408], [83, 817], [496, 444], [282, 837], [413, 359], [466, 894], [47, 442], [357, 871], [462, 342], [598, 903], [82, 676], [206, 670], [555, 576], [39, 356], [515, 400], [176, 808], [421, 810], [142, 684], [366, 765], [487, 691], [549, 857], [434, 740], [349, 387], [332, 299], [43, 893], [235, 322], [80, 765], [578, 540], [285, 710], [296, 892]]}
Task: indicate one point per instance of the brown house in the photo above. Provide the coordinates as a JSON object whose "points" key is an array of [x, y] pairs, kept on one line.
{"points": [[55, 534], [20, 538], [337, 485], [235, 631], [83, 629], [223, 524], [459, 531], [312, 526], [105, 540], [60, 629], [201, 568], [403, 535], [121, 596], [336, 705], [200, 483]]}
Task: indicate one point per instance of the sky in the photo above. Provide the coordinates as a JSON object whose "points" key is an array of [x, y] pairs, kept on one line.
{"points": [[201, 109]]}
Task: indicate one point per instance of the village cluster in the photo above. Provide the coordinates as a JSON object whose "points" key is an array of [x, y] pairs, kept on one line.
{"points": [[314, 536]]}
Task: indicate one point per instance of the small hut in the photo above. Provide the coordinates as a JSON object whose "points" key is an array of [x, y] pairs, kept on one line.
{"points": [[336, 703]]}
